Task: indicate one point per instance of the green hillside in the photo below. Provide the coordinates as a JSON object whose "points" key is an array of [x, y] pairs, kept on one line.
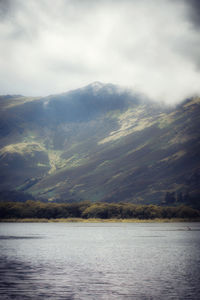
{"points": [[100, 143]]}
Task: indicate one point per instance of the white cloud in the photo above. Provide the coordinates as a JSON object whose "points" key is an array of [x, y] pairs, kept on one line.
{"points": [[52, 46]]}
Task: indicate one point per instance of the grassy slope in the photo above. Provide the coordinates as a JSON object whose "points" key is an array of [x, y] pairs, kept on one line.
{"points": [[138, 161], [136, 154]]}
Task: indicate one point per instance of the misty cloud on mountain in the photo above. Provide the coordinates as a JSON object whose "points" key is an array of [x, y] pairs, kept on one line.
{"points": [[52, 47]]}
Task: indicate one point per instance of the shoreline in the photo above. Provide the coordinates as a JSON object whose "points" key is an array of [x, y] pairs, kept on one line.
{"points": [[95, 220]]}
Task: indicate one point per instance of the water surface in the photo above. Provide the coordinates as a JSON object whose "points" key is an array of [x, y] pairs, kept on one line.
{"points": [[99, 261]]}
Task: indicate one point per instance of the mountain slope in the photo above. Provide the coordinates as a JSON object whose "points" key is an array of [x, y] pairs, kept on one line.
{"points": [[99, 143]]}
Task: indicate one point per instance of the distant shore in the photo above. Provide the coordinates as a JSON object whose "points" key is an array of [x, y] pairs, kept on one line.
{"points": [[95, 220]]}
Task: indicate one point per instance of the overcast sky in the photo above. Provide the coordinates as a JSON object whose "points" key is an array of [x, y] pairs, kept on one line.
{"points": [[152, 46]]}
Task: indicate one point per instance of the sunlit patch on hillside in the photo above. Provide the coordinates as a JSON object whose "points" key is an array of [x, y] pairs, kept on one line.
{"points": [[175, 156], [22, 148], [55, 160], [195, 100], [131, 121], [165, 120]]}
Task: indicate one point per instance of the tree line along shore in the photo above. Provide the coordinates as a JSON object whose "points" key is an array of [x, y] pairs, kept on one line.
{"points": [[35, 210]]}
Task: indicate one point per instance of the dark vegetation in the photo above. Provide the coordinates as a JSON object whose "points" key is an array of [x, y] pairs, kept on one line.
{"points": [[32, 209]]}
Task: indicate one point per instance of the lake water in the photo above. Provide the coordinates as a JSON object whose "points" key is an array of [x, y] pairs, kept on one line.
{"points": [[99, 261]]}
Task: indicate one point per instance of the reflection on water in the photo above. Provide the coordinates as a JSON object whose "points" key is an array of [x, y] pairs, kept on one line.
{"points": [[23, 281], [99, 261]]}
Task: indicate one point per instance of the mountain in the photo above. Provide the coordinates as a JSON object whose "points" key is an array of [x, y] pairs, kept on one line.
{"points": [[99, 143]]}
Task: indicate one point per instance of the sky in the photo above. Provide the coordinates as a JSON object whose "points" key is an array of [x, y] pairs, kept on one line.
{"points": [[150, 46]]}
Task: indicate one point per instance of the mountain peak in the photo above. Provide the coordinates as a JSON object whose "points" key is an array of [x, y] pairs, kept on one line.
{"points": [[108, 88], [97, 85]]}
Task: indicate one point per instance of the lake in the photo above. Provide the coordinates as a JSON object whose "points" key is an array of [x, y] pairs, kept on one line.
{"points": [[99, 261]]}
